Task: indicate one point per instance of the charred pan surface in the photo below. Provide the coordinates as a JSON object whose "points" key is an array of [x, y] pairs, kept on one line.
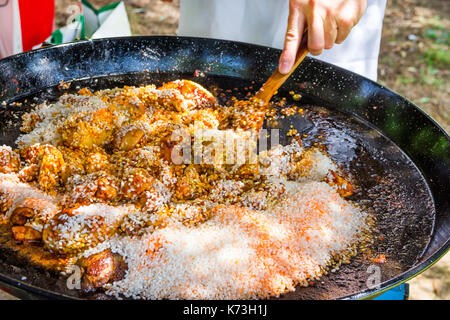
{"points": [[388, 184]]}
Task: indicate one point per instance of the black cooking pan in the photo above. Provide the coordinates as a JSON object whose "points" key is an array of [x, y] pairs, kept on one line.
{"points": [[398, 156]]}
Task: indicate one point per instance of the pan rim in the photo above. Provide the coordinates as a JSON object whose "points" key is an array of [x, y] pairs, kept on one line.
{"points": [[367, 293]]}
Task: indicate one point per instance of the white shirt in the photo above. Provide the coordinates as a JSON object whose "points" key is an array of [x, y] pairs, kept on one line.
{"points": [[264, 22]]}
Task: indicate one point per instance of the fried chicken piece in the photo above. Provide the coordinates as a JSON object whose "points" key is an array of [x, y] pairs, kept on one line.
{"points": [[148, 192], [129, 138], [97, 161], [29, 173], [34, 153], [50, 162], [138, 223], [101, 268], [29, 217], [26, 234], [190, 185], [74, 160], [94, 187], [186, 95], [88, 129], [75, 229], [136, 183], [21, 215], [141, 133], [9, 160], [51, 167], [147, 158], [129, 103], [33, 212]]}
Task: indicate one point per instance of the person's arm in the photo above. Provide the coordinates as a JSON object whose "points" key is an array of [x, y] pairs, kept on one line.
{"points": [[328, 22]]}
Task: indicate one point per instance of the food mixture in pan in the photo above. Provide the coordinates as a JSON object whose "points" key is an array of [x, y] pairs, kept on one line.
{"points": [[160, 193]]}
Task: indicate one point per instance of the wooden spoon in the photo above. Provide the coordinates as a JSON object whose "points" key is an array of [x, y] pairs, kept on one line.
{"points": [[270, 87]]}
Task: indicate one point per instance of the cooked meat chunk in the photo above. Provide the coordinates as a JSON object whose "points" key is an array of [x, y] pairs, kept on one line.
{"points": [[190, 185], [76, 229], [50, 162], [75, 162], [185, 95], [137, 182], [95, 187], [34, 212], [29, 173], [137, 223], [25, 234], [88, 129], [101, 268], [9, 160], [21, 215], [129, 138], [97, 161]]}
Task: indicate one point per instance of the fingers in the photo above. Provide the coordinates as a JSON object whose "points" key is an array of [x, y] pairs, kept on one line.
{"points": [[324, 30], [344, 26], [328, 22], [347, 17], [331, 32], [296, 24], [316, 33]]}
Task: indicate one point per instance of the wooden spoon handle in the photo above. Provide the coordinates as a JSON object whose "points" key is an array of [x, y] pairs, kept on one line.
{"points": [[277, 79]]}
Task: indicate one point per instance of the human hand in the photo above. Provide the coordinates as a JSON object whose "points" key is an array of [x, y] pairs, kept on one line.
{"points": [[328, 22]]}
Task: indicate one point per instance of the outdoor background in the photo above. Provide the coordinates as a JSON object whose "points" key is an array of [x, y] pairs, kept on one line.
{"points": [[414, 62]]}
